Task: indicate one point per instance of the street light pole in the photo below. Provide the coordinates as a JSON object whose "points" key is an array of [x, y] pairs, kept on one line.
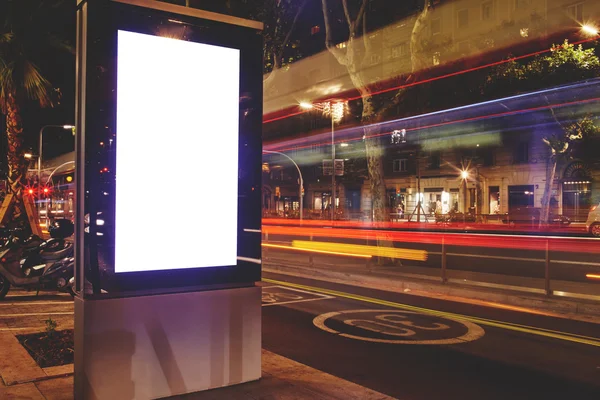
{"points": [[332, 166], [39, 166], [336, 109], [299, 173], [40, 147]]}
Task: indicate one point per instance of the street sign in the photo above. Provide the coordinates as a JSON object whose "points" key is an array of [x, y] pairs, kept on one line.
{"points": [[339, 167], [327, 170]]}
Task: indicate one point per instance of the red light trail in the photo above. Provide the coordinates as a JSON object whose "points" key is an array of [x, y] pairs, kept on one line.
{"points": [[436, 78]]}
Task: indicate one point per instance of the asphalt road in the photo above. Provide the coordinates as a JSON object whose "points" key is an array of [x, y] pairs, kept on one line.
{"points": [[419, 348]]}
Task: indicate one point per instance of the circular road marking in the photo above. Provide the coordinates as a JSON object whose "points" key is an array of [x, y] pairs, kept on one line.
{"points": [[397, 327]]}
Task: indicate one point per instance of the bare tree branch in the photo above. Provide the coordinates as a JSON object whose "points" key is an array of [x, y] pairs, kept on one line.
{"points": [[277, 56], [348, 19], [338, 54], [414, 36], [366, 41], [554, 115], [361, 13]]}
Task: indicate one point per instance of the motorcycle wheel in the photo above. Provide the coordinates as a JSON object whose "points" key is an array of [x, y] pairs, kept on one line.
{"points": [[4, 286]]}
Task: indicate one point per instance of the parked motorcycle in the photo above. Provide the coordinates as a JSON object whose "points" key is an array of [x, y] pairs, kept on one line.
{"points": [[50, 265]]}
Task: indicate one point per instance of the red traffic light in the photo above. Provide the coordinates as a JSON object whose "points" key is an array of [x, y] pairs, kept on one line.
{"points": [[30, 191]]}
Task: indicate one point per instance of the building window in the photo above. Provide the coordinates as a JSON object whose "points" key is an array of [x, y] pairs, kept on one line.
{"points": [[575, 11], [464, 46], [436, 58], [522, 155], [462, 18], [436, 26], [315, 29], [489, 157], [341, 45], [401, 165], [375, 58], [399, 50], [316, 148], [487, 10], [435, 161]]}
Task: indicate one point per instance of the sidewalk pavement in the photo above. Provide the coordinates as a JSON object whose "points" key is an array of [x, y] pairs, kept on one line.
{"points": [[282, 378]]}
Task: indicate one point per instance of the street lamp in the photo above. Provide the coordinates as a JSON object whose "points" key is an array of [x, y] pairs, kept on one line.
{"points": [[66, 127], [336, 109], [299, 173], [589, 30]]}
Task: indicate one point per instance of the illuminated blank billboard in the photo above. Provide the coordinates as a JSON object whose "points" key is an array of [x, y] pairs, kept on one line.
{"points": [[177, 154]]}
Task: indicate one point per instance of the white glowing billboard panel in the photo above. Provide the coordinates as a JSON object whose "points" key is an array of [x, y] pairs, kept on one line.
{"points": [[177, 154]]}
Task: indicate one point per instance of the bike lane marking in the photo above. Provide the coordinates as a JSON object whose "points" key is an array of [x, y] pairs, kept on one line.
{"points": [[287, 295], [397, 327], [549, 333]]}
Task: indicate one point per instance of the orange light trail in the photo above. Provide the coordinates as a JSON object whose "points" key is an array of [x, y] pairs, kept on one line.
{"points": [[592, 276], [279, 246]]}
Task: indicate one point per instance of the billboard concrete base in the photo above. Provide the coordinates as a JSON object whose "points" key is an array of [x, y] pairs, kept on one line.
{"points": [[156, 346]]}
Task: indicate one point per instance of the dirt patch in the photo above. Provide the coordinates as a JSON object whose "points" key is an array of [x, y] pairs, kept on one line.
{"points": [[49, 350]]}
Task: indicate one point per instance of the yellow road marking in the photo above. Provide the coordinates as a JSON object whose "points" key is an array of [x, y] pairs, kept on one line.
{"points": [[279, 246], [389, 252], [569, 337]]}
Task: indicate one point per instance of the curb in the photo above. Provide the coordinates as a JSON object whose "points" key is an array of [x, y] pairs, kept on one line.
{"points": [[577, 310]]}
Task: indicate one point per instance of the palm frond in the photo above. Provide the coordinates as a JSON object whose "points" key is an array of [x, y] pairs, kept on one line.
{"points": [[60, 44], [36, 86], [6, 37]]}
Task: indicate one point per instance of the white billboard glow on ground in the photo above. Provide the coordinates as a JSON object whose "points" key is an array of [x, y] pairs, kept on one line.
{"points": [[177, 154]]}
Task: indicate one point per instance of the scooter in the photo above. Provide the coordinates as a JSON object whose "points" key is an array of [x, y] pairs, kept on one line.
{"points": [[55, 276], [49, 273]]}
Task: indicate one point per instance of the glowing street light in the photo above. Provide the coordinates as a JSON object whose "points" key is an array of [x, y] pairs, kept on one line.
{"points": [[336, 109], [464, 174], [589, 30], [28, 156]]}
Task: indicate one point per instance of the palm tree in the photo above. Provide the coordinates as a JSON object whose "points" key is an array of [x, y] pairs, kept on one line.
{"points": [[27, 41]]}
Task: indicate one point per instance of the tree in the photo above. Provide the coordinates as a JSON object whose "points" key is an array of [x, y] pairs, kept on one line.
{"points": [[356, 56], [561, 147], [565, 63], [28, 35], [280, 18]]}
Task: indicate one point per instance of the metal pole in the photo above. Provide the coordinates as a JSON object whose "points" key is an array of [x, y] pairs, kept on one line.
{"points": [[464, 197], [39, 171], [547, 269], [299, 173], [332, 164], [418, 188], [444, 278], [39, 174]]}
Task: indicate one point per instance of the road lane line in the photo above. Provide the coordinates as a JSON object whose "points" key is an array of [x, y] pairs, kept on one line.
{"points": [[36, 303], [569, 337], [297, 301], [35, 314]]}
